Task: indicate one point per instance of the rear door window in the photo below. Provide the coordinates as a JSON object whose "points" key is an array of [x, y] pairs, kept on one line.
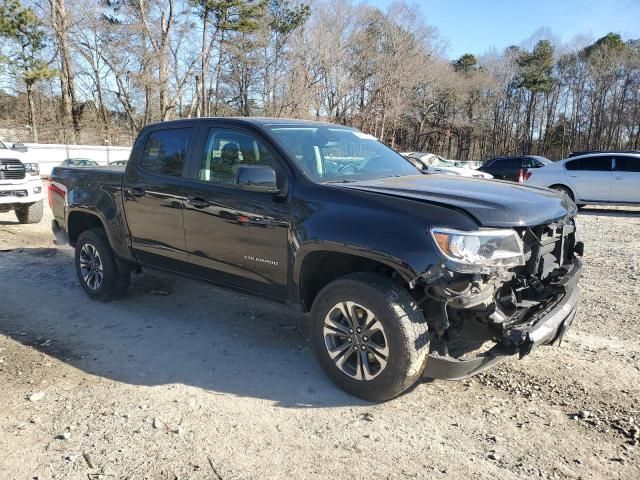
{"points": [[165, 151], [590, 164], [628, 164]]}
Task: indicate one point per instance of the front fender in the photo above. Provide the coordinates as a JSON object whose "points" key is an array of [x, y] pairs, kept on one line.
{"points": [[401, 266]]}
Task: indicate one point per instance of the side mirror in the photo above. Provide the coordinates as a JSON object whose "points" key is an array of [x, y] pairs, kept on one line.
{"points": [[256, 178], [19, 147]]}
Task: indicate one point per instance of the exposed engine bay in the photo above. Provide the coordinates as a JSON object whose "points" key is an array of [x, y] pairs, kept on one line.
{"points": [[493, 314]]}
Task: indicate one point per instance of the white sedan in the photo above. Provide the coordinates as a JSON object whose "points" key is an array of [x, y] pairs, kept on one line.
{"points": [[611, 178], [432, 163]]}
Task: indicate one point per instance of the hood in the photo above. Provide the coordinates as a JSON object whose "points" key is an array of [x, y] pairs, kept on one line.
{"points": [[493, 203], [10, 153]]}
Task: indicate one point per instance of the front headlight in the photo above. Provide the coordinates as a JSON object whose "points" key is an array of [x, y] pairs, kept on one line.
{"points": [[32, 168], [471, 251]]}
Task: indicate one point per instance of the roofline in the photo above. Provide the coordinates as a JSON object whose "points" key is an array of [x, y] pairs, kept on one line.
{"points": [[254, 121], [602, 154]]}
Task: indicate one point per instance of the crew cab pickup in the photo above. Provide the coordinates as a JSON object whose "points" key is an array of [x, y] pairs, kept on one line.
{"points": [[20, 185], [403, 275]]}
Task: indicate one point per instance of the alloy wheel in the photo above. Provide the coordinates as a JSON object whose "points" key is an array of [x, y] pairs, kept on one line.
{"points": [[91, 267], [355, 341]]}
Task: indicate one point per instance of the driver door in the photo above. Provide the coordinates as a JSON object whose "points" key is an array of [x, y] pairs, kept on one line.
{"points": [[590, 178], [233, 236]]}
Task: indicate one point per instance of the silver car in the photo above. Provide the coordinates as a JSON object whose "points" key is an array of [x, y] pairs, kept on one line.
{"points": [[611, 178], [432, 163]]}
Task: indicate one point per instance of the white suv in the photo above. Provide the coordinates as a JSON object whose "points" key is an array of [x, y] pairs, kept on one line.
{"points": [[611, 178], [20, 186]]}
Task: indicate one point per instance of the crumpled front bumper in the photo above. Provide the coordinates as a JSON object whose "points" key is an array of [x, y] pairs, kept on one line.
{"points": [[546, 328], [553, 324]]}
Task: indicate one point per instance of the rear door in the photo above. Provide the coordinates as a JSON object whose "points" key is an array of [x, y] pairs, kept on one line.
{"points": [[235, 237], [154, 197], [590, 177], [625, 186]]}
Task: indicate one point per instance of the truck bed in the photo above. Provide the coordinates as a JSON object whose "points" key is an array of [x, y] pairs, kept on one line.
{"points": [[107, 175]]}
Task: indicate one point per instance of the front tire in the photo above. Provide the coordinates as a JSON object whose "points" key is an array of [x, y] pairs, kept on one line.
{"points": [[99, 274], [369, 336], [567, 190], [30, 213]]}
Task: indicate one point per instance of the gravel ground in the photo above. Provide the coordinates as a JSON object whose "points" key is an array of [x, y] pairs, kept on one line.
{"points": [[183, 380]]}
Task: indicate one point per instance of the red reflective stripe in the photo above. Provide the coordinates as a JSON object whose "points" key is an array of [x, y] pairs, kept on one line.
{"points": [[55, 188]]}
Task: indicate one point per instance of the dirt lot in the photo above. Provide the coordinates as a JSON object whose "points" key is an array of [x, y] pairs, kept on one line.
{"points": [[183, 380]]}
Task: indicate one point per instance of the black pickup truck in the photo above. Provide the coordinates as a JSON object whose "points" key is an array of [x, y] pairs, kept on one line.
{"points": [[403, 274]]}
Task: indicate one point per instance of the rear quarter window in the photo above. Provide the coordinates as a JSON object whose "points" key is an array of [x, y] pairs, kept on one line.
{"points": [[572, 165], [165, 151], [508, 163]]}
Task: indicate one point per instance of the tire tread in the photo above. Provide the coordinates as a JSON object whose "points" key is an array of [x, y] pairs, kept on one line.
{"points": [[117, 276], [31, 213], [407, 316]]}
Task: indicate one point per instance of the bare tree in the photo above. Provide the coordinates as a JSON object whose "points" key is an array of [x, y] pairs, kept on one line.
{"points": [[125, 63]]}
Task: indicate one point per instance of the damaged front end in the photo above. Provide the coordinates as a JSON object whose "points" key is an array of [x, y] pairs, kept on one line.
{"points": [[478, 318]]}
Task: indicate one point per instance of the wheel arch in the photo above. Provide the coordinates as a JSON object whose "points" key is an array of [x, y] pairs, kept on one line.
{"points": [[320, 266], [566, 187], [79, 221]]}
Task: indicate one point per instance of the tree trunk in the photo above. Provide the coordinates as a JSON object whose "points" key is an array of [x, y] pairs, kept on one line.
{"points": [[32, 113], [101, 107], [195, 101], [206, 55], [70, 107], [528, 125], [218, 74]]}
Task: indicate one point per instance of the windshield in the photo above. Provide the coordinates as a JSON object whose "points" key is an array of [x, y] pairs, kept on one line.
{"points": [[81, 162], [437, 161], [543, 160], [338, 154]]}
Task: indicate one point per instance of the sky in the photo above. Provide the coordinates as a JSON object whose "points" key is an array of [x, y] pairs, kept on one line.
{"points": [[471, 26]]}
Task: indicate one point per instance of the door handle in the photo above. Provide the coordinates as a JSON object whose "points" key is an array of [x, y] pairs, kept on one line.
{"points": [[136, 191], [574, 176], [619, 177], [198, 202]]}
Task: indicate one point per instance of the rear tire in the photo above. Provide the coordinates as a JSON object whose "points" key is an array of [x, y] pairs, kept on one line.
{"points": [[388, 355], [30, 213], [98, 271]]}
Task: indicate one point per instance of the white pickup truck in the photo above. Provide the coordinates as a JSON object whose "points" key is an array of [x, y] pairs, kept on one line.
{"points": [[20, 185]]}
